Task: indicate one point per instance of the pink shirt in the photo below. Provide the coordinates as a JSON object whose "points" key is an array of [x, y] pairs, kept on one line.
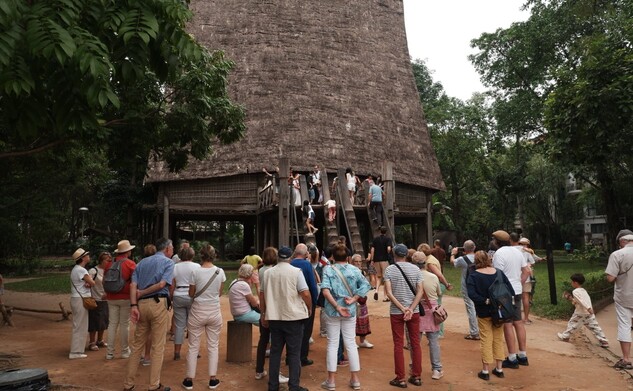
{"points": [[237, 298]]}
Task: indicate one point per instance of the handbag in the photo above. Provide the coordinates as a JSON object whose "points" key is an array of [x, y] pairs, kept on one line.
{"points": [[88, 302], [439, 312], [420, 306]]}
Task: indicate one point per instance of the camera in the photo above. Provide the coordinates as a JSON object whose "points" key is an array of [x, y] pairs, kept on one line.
{"points": [[460, 252]]}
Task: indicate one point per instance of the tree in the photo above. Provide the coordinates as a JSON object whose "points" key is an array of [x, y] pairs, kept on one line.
{"points": [[548, 58], [111, 75]]}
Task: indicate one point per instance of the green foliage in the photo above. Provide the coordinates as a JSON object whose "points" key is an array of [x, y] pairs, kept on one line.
{"points": [[19, 267], [589, 254]]}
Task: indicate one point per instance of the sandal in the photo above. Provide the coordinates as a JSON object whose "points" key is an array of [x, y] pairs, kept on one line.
{"points": [[102, 344], [398, 383], [623, 365], [472, 337], [416, 381], [93, 346]]}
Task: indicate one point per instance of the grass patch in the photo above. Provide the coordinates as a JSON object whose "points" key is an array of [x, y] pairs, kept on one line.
{"points": [[59, 283], [563, 268]]}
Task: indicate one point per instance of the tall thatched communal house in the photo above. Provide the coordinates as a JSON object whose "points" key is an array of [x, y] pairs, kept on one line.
{"points": [[323, 82]]}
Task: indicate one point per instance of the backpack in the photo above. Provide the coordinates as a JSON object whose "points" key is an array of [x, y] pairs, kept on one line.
{"points": [[113, 281], [471, 266], [501, 301]]}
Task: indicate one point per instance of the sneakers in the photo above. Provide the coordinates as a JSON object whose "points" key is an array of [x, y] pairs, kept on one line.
{"points": [[126, 353], [328, 386], [306, 362], [562, 337], [214, 383], [187, 384], [523, 361], [93, 347], [498, 373], [146, 363], [354, 385], [437, 375], [102, 344], [261, 375], [74, 356], [109, 356], [507, 363], [311, 340], [366, 344], [283, 379]]}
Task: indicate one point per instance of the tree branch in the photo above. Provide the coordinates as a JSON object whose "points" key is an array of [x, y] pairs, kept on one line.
{"points": [[27, 152]]}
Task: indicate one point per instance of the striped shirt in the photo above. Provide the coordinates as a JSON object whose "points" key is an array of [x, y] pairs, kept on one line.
{"points": [[399, 287]]}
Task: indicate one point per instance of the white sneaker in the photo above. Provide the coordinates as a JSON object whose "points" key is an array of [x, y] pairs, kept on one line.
{"points": [[74, 356], [109, 356], [126, 353], [311, 340], [437, 374], [267, 353], [283, 379], [366, 344], [260, 375]]}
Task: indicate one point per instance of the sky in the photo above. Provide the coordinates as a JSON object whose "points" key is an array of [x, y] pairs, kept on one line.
{"points": [[440, 31]]}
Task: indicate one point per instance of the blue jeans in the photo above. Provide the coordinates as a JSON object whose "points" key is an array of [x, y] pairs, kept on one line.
{"points": [[288, 333], [434, 349], [251, 316]]}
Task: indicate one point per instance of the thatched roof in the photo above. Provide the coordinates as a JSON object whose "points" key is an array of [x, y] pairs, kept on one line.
{"points": [[323, 82]]}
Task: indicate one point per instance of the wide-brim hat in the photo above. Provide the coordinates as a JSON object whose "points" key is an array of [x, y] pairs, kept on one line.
{"points": [[79, 253], [123, 247]]}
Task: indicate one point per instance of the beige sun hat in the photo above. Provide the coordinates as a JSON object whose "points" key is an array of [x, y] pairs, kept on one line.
{"points": [[123, 247], [79, 253]]}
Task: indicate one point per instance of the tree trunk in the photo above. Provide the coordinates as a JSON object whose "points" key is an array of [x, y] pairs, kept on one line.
{"points": [[611, 206]]}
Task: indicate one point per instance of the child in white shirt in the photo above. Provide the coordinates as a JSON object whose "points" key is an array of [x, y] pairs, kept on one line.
{"points": [[583, 313]]}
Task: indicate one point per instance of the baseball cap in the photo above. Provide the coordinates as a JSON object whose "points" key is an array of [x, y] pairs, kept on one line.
{"points": [[400, 250], [284, 252]]}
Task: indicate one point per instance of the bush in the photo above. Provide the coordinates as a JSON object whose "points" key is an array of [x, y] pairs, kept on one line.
{"points": [[590, 254], [20, 267]]}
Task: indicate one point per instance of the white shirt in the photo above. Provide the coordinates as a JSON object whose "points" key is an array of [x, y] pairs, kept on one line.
{"points": [[200, 277], [76, 281], [183, 272], [510, 261]]}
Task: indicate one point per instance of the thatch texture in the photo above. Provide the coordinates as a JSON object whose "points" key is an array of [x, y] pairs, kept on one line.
{"points": [[323, 82]]}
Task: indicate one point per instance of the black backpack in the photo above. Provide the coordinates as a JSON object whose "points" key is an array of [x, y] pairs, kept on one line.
{"points": [[113, 281], [471, 266], [501, 301]]}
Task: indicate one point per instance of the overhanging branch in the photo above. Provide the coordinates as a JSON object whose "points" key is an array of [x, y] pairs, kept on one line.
{"points": [[27, 152]]}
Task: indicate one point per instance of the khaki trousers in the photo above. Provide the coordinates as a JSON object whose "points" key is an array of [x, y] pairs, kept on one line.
{"points": [[154, 322], [119, 320]]}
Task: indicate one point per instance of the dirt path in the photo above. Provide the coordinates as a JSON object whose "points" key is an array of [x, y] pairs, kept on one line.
{"points": [[43, 341]]}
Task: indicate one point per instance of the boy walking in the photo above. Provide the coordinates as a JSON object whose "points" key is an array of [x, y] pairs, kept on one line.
{"points": [[583, 313]]}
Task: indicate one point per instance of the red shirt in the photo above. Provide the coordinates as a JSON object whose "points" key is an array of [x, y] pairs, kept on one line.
{"points": [[127, 268]]}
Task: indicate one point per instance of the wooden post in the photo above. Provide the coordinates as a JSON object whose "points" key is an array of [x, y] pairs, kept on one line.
{"points": [[429, 219], [239, 341], [390, 195], [165, 215], [6, 315], [284, 201]]}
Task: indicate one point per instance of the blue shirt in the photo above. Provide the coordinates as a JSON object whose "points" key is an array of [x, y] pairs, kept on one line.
{"points": [[152, 270], [308, 273], [376, 193], [332, 281]]}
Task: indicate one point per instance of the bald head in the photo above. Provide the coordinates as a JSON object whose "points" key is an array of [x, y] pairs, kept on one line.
{"points": [[301, 251]]}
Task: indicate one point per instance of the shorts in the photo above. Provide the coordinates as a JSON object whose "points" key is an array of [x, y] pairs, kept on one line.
{"points": [[370, 268], [527, 287], [351, 186]]}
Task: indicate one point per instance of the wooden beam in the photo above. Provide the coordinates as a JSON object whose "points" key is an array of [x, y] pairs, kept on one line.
{"points": [[284, 201]]}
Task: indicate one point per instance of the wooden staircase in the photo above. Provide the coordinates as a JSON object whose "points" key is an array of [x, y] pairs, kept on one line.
{"points": [[385, 219], [349, 215]]}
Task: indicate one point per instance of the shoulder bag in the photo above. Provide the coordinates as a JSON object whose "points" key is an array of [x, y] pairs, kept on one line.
{"points": [[420, 306], [89, 302], [342, 277], [204, 288], [439, 312]]}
